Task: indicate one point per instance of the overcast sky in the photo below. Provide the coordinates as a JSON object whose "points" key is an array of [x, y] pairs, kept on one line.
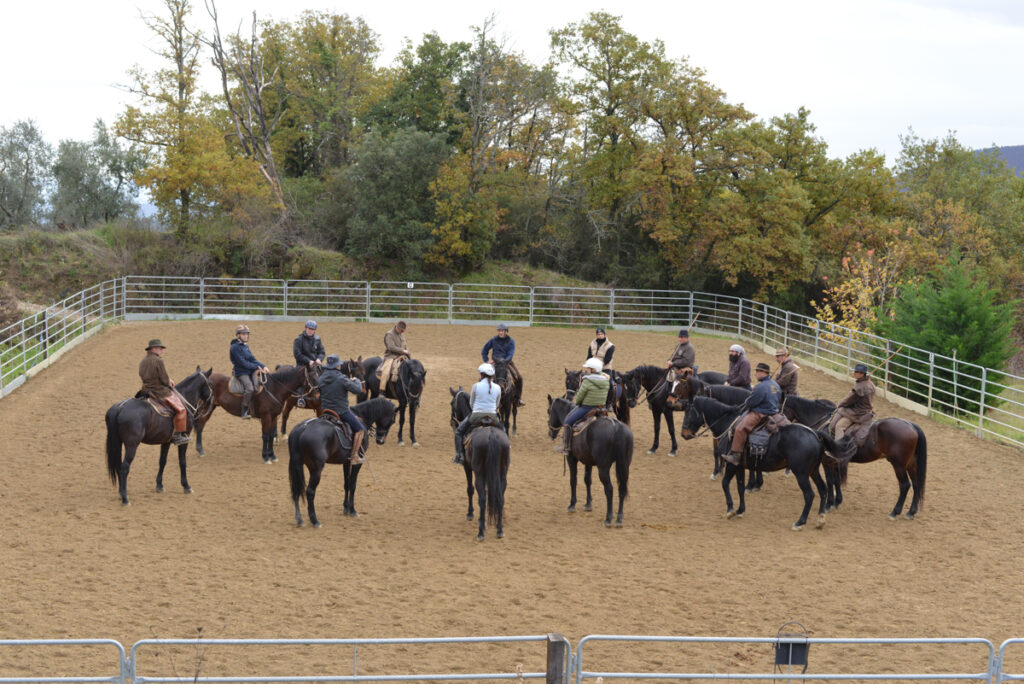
{"points": [[866, 69]]}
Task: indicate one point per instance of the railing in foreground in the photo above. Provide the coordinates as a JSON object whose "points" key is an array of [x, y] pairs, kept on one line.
{"points": [[989, 401]]}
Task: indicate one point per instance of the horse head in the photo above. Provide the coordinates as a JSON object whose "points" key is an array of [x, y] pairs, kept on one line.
{"points": [[630, 387], [572, 381], [354, 369], [558, 409], [693, 419], [413, 376], [384, 422], [460, 405]]}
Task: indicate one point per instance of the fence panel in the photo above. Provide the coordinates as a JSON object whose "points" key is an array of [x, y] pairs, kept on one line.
{"points": [[477, 303], [34, 660], [571, 306], [651, 309], [390, 301], [330, 299], [159, 296]]}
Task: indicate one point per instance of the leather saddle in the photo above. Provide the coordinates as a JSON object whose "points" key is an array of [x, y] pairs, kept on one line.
{"points": [[341, 428], [585, 422], [486, 421], [236, 388], [155, 403]]}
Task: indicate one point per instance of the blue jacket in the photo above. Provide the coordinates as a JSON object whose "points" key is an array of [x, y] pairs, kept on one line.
{"points": [[764, 398], [334, 388], [501, 349], [242, 360]]}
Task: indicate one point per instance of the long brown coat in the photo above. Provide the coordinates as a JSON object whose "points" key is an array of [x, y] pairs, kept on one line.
{"points": [[858, 405], [394, 344], [786, 377], [154, 376]]}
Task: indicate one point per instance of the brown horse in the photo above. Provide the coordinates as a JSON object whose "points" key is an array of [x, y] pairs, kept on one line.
{"points": [[900, 442], [266, 404], [353, 368]]}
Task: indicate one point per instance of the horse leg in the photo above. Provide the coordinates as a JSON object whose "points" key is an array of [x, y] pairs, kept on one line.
{"points": [[903, 478], [670, 426], [182, 448], [656, 415], [401, 421], [311, 485], [730, 473], [572, 483], [468, 465], [122, 474], [755, 481], [606, 480], [804, 480], [915, 499], [413, 405], [588, 478], [288, 404], [200, 424], [481, 496], [164, 448], [515, 414], [269, 433], [822, 496], [351, 477]]}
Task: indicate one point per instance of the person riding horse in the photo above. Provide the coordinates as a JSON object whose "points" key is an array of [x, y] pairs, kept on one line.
{"points": [[157, 383], [601, 349], [395, 352], [334, 388], [681, 364], [483, 399], [592, 394], [739, 368], [858, 406], [787, 373], [502, 348], [308, 348], [245, 366], [762, 402]]}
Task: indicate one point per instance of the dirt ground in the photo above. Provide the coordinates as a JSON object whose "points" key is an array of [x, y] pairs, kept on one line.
{"points": [[229, 559]]}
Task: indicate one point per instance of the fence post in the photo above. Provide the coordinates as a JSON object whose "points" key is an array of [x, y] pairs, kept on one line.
{"points": [[81, 308], [611, 309], [817, 334], [849, 348], [931, 377], [764, 328], [451, 304], [956, 389], [888, 355], [556, 660], [202, 297], [46, 333], [981, 404], [369, 286], [739, 319], [284, 294], [531, 304]]}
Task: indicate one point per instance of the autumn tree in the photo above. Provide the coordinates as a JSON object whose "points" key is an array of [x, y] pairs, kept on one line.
{"points": [[25, 160]]}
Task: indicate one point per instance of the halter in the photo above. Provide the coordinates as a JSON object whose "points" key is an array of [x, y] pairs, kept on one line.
{"points": [[405, 386], [455, 401]]}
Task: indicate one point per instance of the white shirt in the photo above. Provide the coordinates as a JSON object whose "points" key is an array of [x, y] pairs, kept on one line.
{"points": [[484, 397]]}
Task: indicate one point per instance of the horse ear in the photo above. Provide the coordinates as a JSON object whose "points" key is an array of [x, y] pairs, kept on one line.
{"points": [[567, 372], [453, 392], [549, 400], [207, 373], [360, 359], [199, 369]]}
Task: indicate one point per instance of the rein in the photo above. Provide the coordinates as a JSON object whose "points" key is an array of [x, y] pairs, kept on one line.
{"points": [[405, 387]]}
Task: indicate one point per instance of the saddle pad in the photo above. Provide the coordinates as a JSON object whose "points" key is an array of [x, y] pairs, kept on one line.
{"points": [[859, 432], [484, 422]]}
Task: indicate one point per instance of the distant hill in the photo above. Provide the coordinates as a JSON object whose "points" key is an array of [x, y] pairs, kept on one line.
{"points": [[1014, 156]]}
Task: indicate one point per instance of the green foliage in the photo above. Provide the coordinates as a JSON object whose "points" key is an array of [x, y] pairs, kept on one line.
{"points": [[24, 171], [953, 314]]}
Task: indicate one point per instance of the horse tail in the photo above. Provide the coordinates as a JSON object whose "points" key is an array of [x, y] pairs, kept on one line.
{"points": [[296, 474], [921, 456], [495, 492], [841, 454], [114, 444], [623, 441]]}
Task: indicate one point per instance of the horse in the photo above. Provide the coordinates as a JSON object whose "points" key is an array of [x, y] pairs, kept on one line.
{"points": [[899, 441], [797, 447], [314, 443], [265, 405], [311, 397], [407, 391], [604, 442], [694, 386], [619, 398], [508, 403], [651, 379], [133, 421], [488, 458]]}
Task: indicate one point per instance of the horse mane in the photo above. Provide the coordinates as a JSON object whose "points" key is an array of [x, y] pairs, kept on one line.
{"points": [[373, 410]]}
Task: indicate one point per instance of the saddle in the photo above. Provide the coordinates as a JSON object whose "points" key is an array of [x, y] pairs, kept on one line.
{"points": [[155, 403], [236, 388], [759, 437], [585, 422], [486, 421], [859, 432], [342, 429]]}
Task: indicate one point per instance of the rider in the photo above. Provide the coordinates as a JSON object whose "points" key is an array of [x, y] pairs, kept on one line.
{"points": [[308, 348], [739, 368], [763, 401], [334, 388], [157, 383], [484, 398], [858, 406], [395, 351], [503, 348], [786, 376], [592, 394], [245, 366], [601, 349], [682, 362]]}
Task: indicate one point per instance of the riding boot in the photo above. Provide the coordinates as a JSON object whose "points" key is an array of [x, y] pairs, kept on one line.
{"points": [[246, 399], [733, 457], [460, 451], [179, 438], [566, 439], [357, 442]]}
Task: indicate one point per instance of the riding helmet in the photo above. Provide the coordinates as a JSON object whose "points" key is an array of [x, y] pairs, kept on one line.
{"points": [[311, 324], [242, 329], [502, 326], [593, 364], [486, 369]]}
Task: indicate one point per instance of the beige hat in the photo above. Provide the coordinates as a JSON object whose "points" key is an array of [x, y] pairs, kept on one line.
{"points": [[782, 351]]}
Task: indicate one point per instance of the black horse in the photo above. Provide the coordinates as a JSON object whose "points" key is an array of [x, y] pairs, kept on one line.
{"points": [[605, 442], [314, 443], [407, 391], [620, 399], [134, 421], [814, 413], [508, 403], [900, 442], [310, 396], [794, 446], [488, 458]]}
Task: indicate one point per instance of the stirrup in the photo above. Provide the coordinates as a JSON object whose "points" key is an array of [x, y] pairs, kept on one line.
{"points": [[356, 460], [179, 438]]}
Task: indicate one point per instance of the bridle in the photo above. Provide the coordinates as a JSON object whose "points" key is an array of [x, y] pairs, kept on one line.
{"points": [[455, 402]]}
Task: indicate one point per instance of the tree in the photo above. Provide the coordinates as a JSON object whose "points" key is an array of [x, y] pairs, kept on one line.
{"points": [[24, 174], [954, 314]]}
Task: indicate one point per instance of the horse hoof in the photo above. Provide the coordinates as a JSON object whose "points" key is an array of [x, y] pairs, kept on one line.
{"points": [[126, 502], [159, 490], [572, 509], [607, 523], [273, 459], [588, 507], [797, 527], [352, 514], [469, 517], [671, 454], [317, 524], [401, 443], [893, 517], [618, 524], [714, 476], [730, 514], [500, 535], [300, 523], [201, 453], [650, 451], [188, 490], [415, 445], [479, 537], [266, 461], [908, 516], [820, 523]]}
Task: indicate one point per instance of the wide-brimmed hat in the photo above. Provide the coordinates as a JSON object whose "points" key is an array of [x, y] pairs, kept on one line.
{"points": [[332, 361], [155, 343], [782, 351], [762, 368], [860, 368]]}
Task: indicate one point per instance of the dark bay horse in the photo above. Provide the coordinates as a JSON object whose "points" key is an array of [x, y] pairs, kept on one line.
{"points": [[694, 386], [266, 404], [814, 413], [508, 403], [314, 443], [311, 397], [487, 458], [133, 421], [620, 399], [794, 446], [900, 442], [407, 391], [605, 442]]}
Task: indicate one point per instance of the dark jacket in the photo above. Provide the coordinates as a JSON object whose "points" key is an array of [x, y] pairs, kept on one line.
{"points": [[739, 372], [500, 349], [684, 356], [858, 405], [595, 349], [787, 377], [154, 376], [764, 398], [308, 348], [242, 360], [334, 387]]}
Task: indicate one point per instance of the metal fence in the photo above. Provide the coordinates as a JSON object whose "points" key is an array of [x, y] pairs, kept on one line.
{"points": [[988, 401], [550, 657]]}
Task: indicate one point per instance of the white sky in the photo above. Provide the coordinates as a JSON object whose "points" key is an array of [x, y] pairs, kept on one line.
{"points": [[866, 69]]}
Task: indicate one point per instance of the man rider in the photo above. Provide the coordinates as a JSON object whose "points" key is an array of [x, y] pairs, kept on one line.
{"points": [[858, 406], [502, 348], [245, 367], [601, 349], [739, 368], [334, 388], [156, 381], [681, 364], [308, 348], [592, 394], [395, 351], [763, 401], [787, 373], [483, 399]]}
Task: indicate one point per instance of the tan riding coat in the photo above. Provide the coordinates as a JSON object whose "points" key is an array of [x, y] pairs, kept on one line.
{"points": [[154, 376]]}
